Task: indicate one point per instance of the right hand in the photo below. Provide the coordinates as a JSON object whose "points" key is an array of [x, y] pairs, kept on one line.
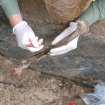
{"points": [[26, 38], [80, 27], [69, 46]]}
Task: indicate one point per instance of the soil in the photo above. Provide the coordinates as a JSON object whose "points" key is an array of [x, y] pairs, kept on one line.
{"points": [[50, 81], [36, 88]]}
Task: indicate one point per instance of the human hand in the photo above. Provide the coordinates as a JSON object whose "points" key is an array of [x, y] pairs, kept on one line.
{"points": [[26, 38], [80, 27]]}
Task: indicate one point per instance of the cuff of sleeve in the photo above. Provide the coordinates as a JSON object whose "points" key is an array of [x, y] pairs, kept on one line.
{"points": [[19, 25]]}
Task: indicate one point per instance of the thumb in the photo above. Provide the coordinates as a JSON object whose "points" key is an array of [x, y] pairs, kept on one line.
{"points": [[65, 33], [34, 41]]}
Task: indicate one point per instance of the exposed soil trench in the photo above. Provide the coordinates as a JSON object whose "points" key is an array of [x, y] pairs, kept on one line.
{"points": [[52, 80]]}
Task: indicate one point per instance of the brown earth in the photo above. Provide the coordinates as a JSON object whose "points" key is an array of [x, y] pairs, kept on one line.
{"points": [[63, 11]]}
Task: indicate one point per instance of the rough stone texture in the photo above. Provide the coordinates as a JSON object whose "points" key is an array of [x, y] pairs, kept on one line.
{"points": [[57, 11], [32, 88], [87, 59], [35, 12], [62, 11]]}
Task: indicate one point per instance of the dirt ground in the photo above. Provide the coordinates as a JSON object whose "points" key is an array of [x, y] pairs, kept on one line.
{"points": [[34, 88], [40, 88]]}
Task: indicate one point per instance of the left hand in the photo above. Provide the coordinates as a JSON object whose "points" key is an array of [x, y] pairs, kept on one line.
{"points": [[66, 48], [69, 46]]}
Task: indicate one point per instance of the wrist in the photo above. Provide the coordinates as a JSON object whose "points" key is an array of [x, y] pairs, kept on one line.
{"points": [[14, 20], [19, 26], [83, 26]]}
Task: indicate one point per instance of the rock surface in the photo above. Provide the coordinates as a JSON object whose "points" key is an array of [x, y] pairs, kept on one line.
{"points": [[63, 11], [87, 59]]}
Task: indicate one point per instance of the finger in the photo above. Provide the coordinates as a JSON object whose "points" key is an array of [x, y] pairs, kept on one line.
{"points": [[61, 52], [36, 37], [71, 44], [64, 34], [29, 44], [40, 41], [64, 49], [32, 49], [34, 41], [61, 49], [73, 25]]}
